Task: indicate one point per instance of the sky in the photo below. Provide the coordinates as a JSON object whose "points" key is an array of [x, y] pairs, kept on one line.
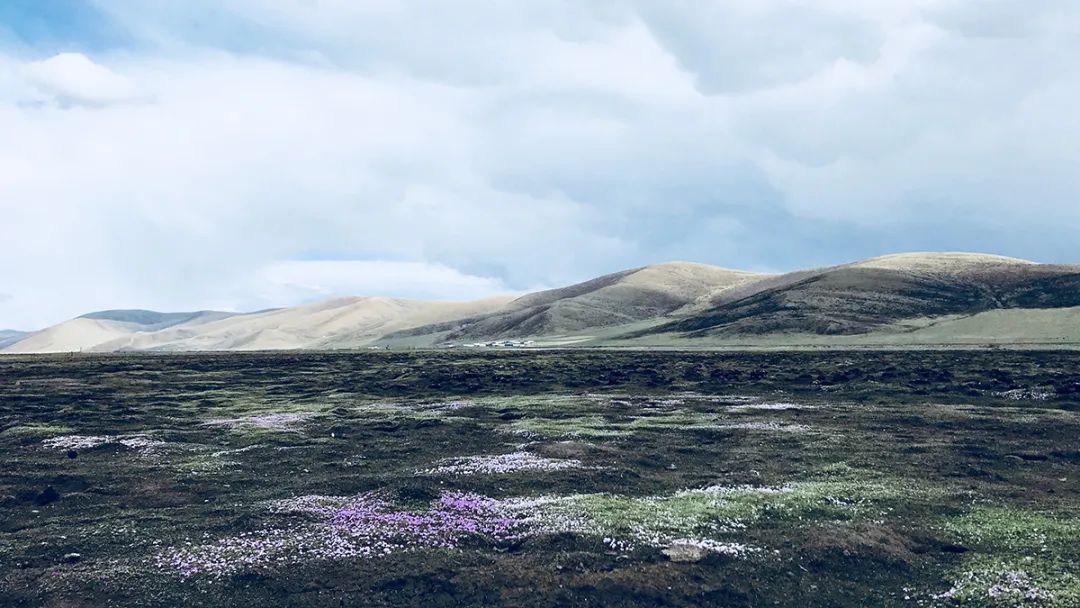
{"points": [[245, 154]]}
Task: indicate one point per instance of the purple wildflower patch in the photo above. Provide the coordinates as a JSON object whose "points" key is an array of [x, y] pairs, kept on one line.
{"points": [[365, 525]]}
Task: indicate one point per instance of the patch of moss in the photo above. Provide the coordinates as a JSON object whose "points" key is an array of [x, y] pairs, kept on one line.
{"points": [[677, 419], [1013, 582], [37, 430], [1020, 558], [563, 428], [1019, 531], [720, 509]]}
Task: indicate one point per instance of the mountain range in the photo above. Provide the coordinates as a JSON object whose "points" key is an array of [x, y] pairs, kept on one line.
{"points": [[902, 299]]}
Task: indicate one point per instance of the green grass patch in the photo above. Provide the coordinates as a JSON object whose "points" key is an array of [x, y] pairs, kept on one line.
{"points": [[1020, 558], [724, 510], [35, 430], [564, 428]]}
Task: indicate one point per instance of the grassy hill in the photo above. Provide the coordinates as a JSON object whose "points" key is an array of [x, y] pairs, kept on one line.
{"points": [[90, 331], [337, 323], [611, 300], [905, 299], [862, 297]]}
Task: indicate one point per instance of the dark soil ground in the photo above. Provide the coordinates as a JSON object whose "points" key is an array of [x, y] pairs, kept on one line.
{"points": [[839, 478]]}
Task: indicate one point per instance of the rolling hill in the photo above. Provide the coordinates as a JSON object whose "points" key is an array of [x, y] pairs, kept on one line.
{"points": [[90, 330], [916, 298], [338, 323], [624, 297], [861, 297]]}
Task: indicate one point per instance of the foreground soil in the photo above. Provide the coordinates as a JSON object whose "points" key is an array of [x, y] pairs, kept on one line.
{"points": [[554, 478]]}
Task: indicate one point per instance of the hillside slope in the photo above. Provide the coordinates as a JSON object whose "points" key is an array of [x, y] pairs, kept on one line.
{"points": [[614, 299], [91, 330], [859, 297], [902, 299], [338, 323]]}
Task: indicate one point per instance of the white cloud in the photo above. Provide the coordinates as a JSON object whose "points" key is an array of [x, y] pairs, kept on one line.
{"points": [[747, 45], [241, 161], [320, 279], [530, 144], [72, 78]]}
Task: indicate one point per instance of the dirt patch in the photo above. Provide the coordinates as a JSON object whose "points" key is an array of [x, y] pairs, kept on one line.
{"points": [[863, 541]]}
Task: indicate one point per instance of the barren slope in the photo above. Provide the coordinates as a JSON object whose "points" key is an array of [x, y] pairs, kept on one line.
{"points": [[90, 331], [338, 323], [71, 336], [856, 298], [614, 299], [920, 294]]}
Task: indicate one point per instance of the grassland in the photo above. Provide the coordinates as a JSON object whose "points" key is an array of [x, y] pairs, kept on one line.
{"points": [[552, 478]]}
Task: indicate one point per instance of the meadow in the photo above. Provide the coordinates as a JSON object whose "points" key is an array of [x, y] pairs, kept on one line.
{"points": [[545, 478]]}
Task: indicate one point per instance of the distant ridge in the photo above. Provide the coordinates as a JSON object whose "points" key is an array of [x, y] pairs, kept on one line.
{"points": [[156, 320], [860, 297], [941, 262], [92, 330], [614, 299], [910, 298], [10, 336]]}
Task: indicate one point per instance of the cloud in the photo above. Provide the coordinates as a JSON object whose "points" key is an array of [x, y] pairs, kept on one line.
{"points": [[73, 79], [320, 279], [534, 144], [746, 45]]}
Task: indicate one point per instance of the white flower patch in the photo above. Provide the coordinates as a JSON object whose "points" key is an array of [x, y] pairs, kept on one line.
{"points": [[729, 398], [619, 545], [655, 524], [202, 467], [666, 403], [221, 453], [304, 504], [742, 490], [270, 422], [1008, 587], [605, 396], [77, 442], [774, 407], [534, 503], [141, 443], [716, 546], [543, 515], [499, 464], [772, 426], [452, 405], [1026, 394]]}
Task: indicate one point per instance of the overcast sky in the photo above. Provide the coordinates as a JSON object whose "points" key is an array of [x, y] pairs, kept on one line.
{"points": [[241, 154]]}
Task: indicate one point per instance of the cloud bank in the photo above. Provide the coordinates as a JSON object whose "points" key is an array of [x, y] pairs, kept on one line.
{"points": [[250, 154]]}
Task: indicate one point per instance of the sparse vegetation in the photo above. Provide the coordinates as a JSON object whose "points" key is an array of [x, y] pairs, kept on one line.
{"points": [[541, 479]]}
